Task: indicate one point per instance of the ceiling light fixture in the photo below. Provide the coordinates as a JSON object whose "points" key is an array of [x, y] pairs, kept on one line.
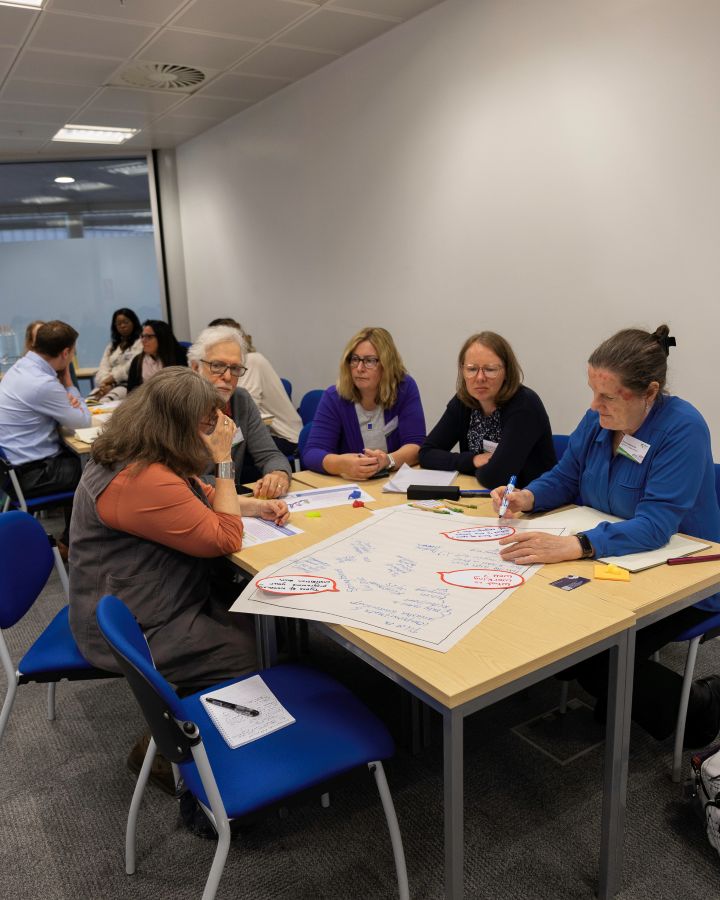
{"points": [[64, 179], [94, 134], [26, 4]]}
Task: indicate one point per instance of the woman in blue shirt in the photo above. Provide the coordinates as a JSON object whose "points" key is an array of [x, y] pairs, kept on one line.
{"points": [[645, 456]]}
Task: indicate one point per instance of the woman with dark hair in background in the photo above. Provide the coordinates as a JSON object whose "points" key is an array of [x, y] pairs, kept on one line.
{"points": [[160, 349], [125, 344]]}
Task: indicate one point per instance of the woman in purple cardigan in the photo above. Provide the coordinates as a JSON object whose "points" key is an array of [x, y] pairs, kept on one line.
{"points": [[372, 421]]}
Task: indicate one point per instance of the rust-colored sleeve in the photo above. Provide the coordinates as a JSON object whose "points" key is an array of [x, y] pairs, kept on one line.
{"points": [[158, 505]]}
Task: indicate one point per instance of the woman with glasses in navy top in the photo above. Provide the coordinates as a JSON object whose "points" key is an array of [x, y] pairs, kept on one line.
{"points": [[501, 425], [372, 420]]}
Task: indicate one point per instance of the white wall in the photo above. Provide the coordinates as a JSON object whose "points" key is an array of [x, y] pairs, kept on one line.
{"points": [[544, 168]]}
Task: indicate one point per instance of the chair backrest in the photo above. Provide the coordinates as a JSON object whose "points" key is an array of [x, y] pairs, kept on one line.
{"points": [[186, 344], [302, 440], [309, 404], [717, 480], [26, 560], [288, 387], [157, 699], [560, 442]]}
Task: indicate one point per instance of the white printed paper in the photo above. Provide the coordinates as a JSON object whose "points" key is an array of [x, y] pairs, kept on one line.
{"points": [[259, 531], [405, 476], [239, 729], [321, 498], [398, 574]]}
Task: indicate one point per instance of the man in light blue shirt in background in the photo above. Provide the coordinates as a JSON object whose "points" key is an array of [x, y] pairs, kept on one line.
{"points": [[36, 396]]}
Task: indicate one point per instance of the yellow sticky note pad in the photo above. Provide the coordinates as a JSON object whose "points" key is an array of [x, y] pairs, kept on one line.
{"points": [[312, 514], [611, 573]]}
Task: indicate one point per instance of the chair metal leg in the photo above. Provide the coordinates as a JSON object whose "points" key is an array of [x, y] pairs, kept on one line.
{"points": [[683, 707], [51, 701], [395, 837], [11, 676], [564, 688], [131, 827], [325, 800], [62, 573], [219, 818]]}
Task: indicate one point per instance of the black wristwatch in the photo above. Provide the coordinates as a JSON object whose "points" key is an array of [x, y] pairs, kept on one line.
{"points": [[587, 548]]}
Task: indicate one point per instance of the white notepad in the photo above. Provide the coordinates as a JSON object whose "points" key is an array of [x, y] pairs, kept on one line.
{"points": [[405, 476], [239, 729]]}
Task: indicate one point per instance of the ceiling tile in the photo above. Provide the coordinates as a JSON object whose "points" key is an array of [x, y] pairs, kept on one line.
{"points": [[213, 107], [401, 9], [10, 148], [7, 55], [285, 62], [182, 125], [44, 66], [81, 34], [154, 102], [244, 18], [154, 11], [190, 48], [19, 90], [14, 24], [338, 32], [112, 118], [28, 130], [242, 87], [28, 112]]}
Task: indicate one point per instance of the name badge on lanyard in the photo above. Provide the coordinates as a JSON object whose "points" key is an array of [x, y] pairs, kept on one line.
{"points": [[633, 448]]}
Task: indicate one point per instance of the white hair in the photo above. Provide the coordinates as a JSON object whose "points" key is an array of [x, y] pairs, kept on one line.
{"points": [[209, 337]]}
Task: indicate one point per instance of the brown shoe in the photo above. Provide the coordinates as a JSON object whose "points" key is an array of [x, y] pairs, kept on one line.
{"points": [[161, 773]]}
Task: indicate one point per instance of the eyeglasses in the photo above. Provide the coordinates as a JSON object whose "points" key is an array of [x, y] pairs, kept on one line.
{"points": [[147, 337], [489, 372], [220, 368], [208, 427], [370, 362]]}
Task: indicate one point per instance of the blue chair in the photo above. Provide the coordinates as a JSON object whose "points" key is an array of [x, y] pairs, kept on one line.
{"points": [[309, 404], [288, 387], [302, 441], [560, 442], [186, 344], [333, 733], [26, 558], [16, 499]]}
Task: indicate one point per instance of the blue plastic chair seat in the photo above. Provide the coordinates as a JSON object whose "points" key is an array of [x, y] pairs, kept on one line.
{"points": [[700, 629], [333, 733], [45, 500], [55, 655]]}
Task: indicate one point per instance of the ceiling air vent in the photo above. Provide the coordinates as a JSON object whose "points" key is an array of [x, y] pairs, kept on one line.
{"points": [[161, 77]]}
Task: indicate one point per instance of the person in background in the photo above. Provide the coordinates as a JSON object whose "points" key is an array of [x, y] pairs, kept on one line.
{"points": [[263, 384], [125, 344], [146, 528], [501, 425], [30, 333], [218, 356], [36, 396], [372, 420], [160, 349], [645, 456]]}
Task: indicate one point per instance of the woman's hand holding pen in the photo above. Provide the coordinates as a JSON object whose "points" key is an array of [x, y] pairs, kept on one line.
{"points": [[531, 547], [358, 466], [518, 501]]}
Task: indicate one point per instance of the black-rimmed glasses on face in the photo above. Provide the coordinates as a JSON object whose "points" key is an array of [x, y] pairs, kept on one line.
{"points": [[220, 368]]}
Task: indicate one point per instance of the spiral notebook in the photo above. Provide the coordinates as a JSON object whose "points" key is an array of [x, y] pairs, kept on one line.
{"points": [[238, 729]]}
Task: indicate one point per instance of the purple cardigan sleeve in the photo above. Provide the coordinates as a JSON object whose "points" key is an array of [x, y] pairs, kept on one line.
{"points": [[328, 432]]}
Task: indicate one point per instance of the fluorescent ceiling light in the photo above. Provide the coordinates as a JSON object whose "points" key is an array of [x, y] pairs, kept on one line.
{"points": [[87, 186], [41, 201], [64, 179], [94, 134], [137, 168], [27, 4]]}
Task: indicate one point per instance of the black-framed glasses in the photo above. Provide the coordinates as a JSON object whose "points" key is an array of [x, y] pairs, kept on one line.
{"points": [[147, 337], [220, 368], [370, 362], [489, 372]]}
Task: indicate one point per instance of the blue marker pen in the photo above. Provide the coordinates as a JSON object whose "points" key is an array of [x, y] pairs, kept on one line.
{"points": [[506, 496]]}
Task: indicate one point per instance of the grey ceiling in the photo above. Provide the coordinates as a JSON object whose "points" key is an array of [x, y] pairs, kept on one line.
{"points": [[56, 65]]}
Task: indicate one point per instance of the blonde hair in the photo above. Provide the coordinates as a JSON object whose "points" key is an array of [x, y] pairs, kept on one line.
{"points": [[502, 349], [393, 369], [159, 423]]}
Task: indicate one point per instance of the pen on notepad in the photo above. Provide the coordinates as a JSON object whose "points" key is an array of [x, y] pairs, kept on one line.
{"points": [[235, 707], [682, 560], [506, 496]]}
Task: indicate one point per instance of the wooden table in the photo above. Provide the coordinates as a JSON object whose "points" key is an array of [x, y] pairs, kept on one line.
{"points": [[535, 633]]}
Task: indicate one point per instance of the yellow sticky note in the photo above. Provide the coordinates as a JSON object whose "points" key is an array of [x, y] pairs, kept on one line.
{"points": [[611, 573], [312, 514]]}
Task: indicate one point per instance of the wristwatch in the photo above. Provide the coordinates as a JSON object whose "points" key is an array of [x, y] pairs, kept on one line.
{"points": [[587, 548], [225, 470], [391, 462]]}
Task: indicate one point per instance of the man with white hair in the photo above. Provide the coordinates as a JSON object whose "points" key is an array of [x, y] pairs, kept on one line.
{"points": [[217, 355]]}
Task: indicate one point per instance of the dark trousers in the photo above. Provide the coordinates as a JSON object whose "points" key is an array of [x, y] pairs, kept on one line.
{"points": [[52, 475], [656, 689], [286, 447]]}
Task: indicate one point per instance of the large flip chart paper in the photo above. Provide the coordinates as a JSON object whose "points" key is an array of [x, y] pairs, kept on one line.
{"points": [[404, 573]]}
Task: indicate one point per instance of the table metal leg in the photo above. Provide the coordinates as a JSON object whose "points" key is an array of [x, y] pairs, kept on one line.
{"points": [[454, 802], [620, 688], [266, 641]]}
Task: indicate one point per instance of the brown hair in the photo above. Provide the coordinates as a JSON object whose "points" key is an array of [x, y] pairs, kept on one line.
{"points": [[29, 336], [54, 337], [159, 423], [393, 369], [637, 357], [502, 349]]}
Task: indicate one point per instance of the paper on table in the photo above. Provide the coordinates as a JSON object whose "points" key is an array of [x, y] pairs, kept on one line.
{"points": [[238, 729], [405, 476], [583, 518], [258, 531], [321, 498], [87, 435]]}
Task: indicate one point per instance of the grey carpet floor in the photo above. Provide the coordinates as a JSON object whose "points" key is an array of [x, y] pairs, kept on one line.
{"points": [[532, 825]]}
